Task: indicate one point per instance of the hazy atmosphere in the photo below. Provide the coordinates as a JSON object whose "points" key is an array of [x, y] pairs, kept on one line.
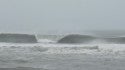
{"points": [[62, 34], [61, 16]]}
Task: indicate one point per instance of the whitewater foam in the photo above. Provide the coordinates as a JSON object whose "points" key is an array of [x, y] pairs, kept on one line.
{"points": [[44, 48], [45, 55], [46, 41]]}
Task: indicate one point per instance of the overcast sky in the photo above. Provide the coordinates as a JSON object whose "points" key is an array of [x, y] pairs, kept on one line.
{"points": [[61, 16]]}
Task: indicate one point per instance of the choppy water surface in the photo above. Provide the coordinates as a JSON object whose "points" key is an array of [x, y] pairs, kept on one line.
{"points": [[62, 57], [50, 55]]}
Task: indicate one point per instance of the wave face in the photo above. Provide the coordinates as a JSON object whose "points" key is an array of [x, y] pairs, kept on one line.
{"points": [[17, 38], [76, 39], [86, 39]]}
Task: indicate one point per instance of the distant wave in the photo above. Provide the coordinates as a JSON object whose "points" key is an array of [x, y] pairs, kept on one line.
{"points": [[86, 39]]}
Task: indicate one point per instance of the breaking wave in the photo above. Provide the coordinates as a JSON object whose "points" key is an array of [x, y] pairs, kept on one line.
{"points": [[49, 51], [86, 39], [66, 45], [69, 39], [17, 38]]}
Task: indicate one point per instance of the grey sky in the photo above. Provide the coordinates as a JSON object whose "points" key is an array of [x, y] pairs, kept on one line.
{"points": [[61, 16]]}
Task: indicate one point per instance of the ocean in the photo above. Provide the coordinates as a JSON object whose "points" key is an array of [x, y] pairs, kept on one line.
{"points": [[50, 54]]}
